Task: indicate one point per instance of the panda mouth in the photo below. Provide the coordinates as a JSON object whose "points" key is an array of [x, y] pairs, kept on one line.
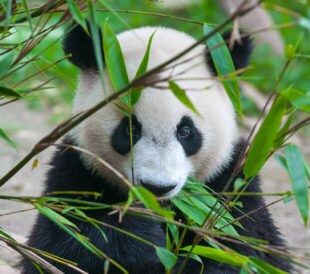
{"points": [[158, 190]]}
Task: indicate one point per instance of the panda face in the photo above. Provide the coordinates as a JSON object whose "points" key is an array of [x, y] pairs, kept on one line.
{"points": [[170, 142]]}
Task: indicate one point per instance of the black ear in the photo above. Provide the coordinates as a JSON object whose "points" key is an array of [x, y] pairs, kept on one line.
{"points": [[80, 45], [240, 52]]}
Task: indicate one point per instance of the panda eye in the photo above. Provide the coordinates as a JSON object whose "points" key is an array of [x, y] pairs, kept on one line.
{"points": [[189, 136], [135, 131], [184, 132], [120, 138]]}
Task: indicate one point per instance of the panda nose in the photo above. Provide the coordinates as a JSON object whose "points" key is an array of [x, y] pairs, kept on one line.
{"points": [[157, 190]]}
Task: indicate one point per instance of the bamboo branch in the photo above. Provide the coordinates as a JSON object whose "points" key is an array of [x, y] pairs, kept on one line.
{"points": [[67, 125]]}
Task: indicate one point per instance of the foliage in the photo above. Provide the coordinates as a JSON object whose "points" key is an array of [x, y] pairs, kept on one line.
{"points": [[30, 49]]}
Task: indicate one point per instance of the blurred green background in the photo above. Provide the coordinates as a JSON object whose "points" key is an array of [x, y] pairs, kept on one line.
{"points": [[263, 72]]}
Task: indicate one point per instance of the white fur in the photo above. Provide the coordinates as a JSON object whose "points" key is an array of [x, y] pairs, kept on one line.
{"points": [[163, 161]]}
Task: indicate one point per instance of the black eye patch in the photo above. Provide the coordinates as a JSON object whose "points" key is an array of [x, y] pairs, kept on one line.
{"points": [[120, 139], [189, 136]]}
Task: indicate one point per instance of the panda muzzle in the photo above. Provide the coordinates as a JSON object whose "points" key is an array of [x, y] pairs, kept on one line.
{"points": [[158, 190]]}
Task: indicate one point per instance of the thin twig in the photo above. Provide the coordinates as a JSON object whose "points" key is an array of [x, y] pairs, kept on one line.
{"points": [[77, 119]]}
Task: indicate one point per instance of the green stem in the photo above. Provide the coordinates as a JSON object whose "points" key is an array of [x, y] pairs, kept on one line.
{"points": [[80, 117]]}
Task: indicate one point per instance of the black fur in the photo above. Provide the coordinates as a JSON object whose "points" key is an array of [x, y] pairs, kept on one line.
{"points": [[120, 139], [193, 142], [80, 45], [240, 52], [69, 173]]}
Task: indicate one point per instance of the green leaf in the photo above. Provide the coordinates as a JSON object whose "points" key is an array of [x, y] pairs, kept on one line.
{"points": [[282, 132], [181, 96], [307, 168], [55, 216], [175, 234], [149, 201], [298, 175], [196, 190], [6, 235], [67, 226], [106, 266], [115, 60], [167, 258], [128, 202], [7, 139], [265, 268], [8, 93], [244, 270], [95, 36], [281, 161], [24, 3], [76, 14], [238, 184], [136, 91], [197, 216], [299, 99], [194, 200], [288, 199], [265, 137], [231, 258], [6, 63], [224, 66], [123, 109]]}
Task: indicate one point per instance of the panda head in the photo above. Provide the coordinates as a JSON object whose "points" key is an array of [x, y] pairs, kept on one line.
{"points": [[170, 142]]}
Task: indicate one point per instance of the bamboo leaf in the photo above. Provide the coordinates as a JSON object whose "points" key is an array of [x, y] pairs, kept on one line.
{"points": [[175, 234], [24, 2], [7, 139], [209, 212], [298, 175], [244, 270], [8, 93], [224, 66], [66, 225], [299, 99], [238, 184], [281, 161], [264, 268], [123, 109], [5, 64], [115, 60], [282, 132], [136, 91], [95, 36], [149, 200], [197, 216], [56, 216], [181, 96], [265, 137], [6, 235], [76, 13], [231, 258], [196, 190], [167, 258]]}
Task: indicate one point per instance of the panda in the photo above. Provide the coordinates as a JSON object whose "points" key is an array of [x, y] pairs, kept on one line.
{"points": [[170, 143]]}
